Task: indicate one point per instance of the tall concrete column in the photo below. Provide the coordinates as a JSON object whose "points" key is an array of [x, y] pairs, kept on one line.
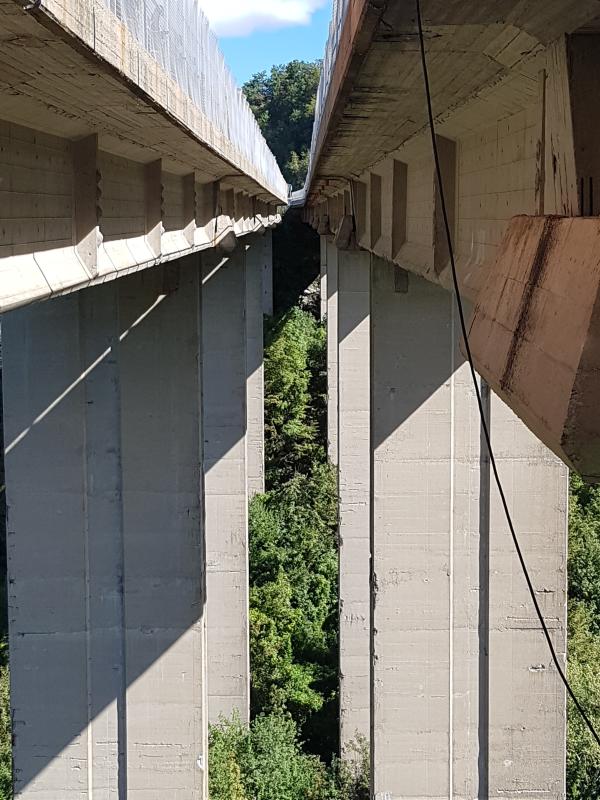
{"points": [[106, 570], [267, 272], [164, 545], [255, 263], [354, 491], [464, 703], [225, 481], [526, 740], [332, 352], [323, 276]]}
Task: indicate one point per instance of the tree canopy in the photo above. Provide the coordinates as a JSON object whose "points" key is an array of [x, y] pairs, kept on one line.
{"points": [[283, 101]]}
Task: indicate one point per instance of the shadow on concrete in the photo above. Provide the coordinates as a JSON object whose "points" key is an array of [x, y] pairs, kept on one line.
{"points": [[102, 418], [415, 352]]}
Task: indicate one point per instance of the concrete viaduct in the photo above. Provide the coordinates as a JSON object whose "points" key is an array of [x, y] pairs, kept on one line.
{"points": [[137, 197], [443, 665]]}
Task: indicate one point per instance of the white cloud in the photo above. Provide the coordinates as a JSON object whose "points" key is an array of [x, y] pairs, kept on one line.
{"points": [[242, 17]]}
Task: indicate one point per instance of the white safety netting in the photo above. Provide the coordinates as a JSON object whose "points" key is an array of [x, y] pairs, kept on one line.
{"points": [[177, 35], [340, 9]]}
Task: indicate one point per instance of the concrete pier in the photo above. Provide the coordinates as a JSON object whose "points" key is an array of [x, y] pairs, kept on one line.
{"points": [[105, 540], [465, 702], [332, 350], [226, 481], [354, 418], [267, 267], [323, 276], [256, 273]]}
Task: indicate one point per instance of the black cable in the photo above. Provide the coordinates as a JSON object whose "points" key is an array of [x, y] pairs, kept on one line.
{"points": [[484, 424]]}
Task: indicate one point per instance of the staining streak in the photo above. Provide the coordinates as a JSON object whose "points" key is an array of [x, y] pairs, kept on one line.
{"points": [[537, 270]]}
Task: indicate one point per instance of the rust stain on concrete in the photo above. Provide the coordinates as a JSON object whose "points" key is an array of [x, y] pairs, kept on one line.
{"points": [[538, 267]]}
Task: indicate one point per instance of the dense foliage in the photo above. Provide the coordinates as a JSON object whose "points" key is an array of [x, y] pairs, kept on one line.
{"points": [[267, 762], [583, 755], [5, 720], [288, 751], [293, 548], [5, 726], [283, 102], [264, 762]]}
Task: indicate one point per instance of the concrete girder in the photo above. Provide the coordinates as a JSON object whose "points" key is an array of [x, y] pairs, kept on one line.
{"points": [[85, 216], [525, 145]]}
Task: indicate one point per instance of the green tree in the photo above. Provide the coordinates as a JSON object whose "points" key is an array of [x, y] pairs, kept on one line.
{"points": [[583, 754], [584, 547], [6, 792], [293, 540], [283, 102], [265, 762], [227, 745], [294, 417]]}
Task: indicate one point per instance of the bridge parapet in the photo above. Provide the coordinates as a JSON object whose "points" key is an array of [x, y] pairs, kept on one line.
{"points": [[170, 52], [123, 143]]}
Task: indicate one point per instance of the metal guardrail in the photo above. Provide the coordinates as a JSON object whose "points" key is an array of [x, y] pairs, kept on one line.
{"points": [[177, 35]]}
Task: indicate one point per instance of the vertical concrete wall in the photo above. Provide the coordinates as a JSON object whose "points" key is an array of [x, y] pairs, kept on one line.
{"points": [[255, 265], [332, 352], [457, 655], [526, 739], [354, 491], [323, 276], [267, 266], [162, 517], [103, 442], [226, 491]]}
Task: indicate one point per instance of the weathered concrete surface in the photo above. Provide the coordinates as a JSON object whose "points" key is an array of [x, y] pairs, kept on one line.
{"points": [[457, 653], [375, 88], [256, 269], [527, 734], [354, 418], [98, 77], [534, 332], [323, 276], [513, 90], [332, 349], [106, 568], [225, 482], [84, 215], [267, 260], [107, 165]]}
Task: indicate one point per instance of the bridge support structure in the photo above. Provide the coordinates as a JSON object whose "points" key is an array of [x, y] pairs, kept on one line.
{"points": [[106, 572], [464, 699], [127, 468], [225, 370], [354, 486], [330, 287]]}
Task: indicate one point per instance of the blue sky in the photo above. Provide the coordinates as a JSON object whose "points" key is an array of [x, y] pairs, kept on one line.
{"points": [[255, 34]]}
